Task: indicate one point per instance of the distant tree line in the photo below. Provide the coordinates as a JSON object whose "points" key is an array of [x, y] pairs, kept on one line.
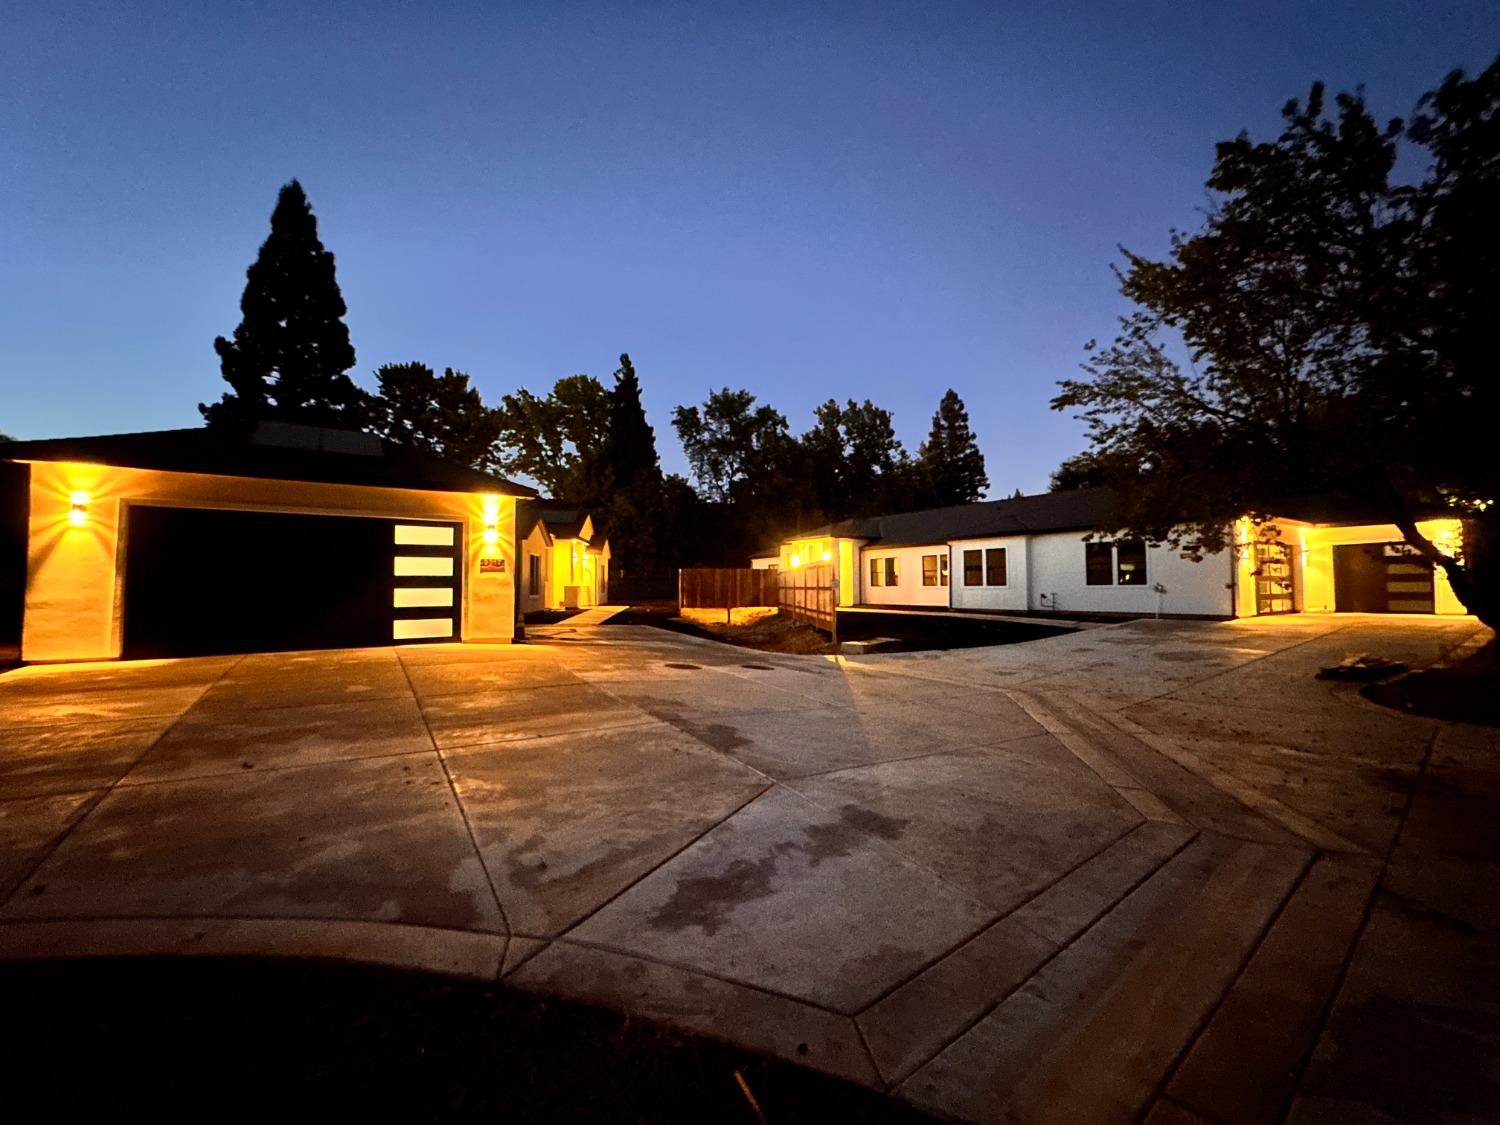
{"points": [[584, 444]]}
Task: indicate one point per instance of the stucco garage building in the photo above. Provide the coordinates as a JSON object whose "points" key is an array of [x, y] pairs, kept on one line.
{"points": [[183, 542]]}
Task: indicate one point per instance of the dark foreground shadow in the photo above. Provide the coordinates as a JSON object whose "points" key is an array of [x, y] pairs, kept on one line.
{"points": [[210, 1039]]}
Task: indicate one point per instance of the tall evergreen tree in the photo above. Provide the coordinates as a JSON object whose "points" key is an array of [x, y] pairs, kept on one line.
{"points": [[290, 355], [950, 459], [632, 497]]}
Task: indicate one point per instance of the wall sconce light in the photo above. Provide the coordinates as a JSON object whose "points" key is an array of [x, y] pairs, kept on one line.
{"points": [[827, 555], [795, 561], [491, 509], [78, 515]]}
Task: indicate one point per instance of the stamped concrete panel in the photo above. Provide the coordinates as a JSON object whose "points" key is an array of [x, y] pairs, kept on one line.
{"points": [[1091, 1035], [32, 711], [500, 716], [913, 1023], [566, 823], [29, 828], [69, 757], [212, 741], [380, 839], [1243, 1068], [424, 948], [445, 678], [850, 916], [1000, 828], [744, 1016], [792, 744], [1415, 1031]]}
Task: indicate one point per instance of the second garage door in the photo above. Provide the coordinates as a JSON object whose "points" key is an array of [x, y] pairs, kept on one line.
{"points": [[206, 581]]}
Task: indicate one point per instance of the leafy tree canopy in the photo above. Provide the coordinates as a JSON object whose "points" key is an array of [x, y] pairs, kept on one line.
{"points": [[730, 442], [557, 441], [1335, 327], [290, 355], [440, 414]]}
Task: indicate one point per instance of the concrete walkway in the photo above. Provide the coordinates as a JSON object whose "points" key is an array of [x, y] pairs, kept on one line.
{"points": [[1148, 871]]}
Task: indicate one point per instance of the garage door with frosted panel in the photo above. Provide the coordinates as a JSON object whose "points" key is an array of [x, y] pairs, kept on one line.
{"points": [[201, 581]]}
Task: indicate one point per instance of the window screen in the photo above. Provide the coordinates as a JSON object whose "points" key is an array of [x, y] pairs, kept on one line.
{"points": [[973, 568], [874, 572], [1098, 561], [892, 571], [929, 570], [943, 569], [1132, 562], [994, 566]]}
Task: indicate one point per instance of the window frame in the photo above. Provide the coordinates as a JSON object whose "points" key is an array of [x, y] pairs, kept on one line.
{"points": [[1120, 544], [989, 553], [892, 570], [533, 575], [875, 570], [943, 569], [973, 567], [1098, 559], [930, 573]]}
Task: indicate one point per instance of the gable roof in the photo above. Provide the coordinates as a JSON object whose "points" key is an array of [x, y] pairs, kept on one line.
{"points": [[270, 451], [1081, 509], [566, 524]]}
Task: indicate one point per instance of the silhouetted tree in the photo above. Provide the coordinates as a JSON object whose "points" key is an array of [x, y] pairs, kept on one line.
{"points": [[1341, 327], [290, 354], [854, 463], [439, 414], [951, 465], [632, 508]]}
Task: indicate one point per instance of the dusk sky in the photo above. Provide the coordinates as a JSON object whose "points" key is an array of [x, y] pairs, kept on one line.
{"points": [[804, 200]]}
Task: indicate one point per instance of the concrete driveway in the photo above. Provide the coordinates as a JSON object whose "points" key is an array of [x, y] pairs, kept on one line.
{"points": [[1148, 870]]}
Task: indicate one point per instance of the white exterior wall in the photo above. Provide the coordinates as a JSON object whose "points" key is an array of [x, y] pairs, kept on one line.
{"points": [[536, 543], [768, 562], [1014, 596], [910, 590], [1057, 566]]}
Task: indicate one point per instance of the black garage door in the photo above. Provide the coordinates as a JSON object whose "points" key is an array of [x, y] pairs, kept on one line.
{"points": [[200, 582], [1381, 578]]}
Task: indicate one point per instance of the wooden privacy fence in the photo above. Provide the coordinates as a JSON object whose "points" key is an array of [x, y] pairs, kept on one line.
{"points": [[725, 588], [806, 594]]}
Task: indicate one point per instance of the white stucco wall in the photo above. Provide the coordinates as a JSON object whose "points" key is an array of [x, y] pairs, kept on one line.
{"points": [[1057, 566], [1014, 596], [910, 590]]}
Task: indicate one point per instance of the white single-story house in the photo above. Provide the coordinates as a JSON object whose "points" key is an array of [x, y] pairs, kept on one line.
{"points": [[1040, 553], [564, 562], [275, 537]]}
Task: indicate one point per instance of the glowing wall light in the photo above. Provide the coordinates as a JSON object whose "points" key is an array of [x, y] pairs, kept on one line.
{"points": [[490, 507], [78, 514], [795, 561]]}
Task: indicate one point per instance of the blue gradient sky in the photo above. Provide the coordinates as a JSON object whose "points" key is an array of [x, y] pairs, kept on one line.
{"points": [[807, 200]]}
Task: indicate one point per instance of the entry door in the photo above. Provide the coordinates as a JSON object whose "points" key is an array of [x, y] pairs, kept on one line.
{"points": [[1381, 578], [201, 581], [1274, 589]]}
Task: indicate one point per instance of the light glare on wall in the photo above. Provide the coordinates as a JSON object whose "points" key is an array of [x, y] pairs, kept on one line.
{"points": [[78, 515], [795, 561], [492, 535]]}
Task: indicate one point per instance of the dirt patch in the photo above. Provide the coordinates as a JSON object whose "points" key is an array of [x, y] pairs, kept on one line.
{"points": [[757, 629], [1468, 692]]}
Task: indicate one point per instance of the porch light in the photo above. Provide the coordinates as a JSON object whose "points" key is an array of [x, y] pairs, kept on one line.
{"points": [[78, 515], [795, 561], [827, 555], [490, 506]]}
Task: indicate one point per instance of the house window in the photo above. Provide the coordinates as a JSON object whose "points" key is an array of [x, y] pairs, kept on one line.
{"points": [[973, 568], [874, 572], [1099, 564], [1131, 563], [534, 574], [943, 570], [929, 570], [994, 566], [892, 571]]}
